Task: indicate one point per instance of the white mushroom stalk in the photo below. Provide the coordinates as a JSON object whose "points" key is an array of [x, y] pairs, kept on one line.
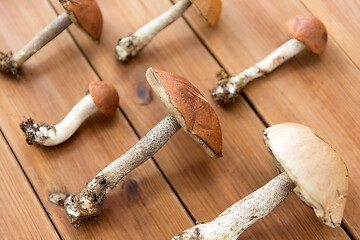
{"points": [[241, 215], [307, 32], [91, 200], [102, 97], [131, 45], [229, 88], [189, 111], [50, 134], [11, 62]]}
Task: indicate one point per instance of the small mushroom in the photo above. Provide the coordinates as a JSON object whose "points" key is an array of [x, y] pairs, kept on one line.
{"points": [[129, 46], [307, 32], [85, 14], [189, 110], [308, 165], [102, 97]]}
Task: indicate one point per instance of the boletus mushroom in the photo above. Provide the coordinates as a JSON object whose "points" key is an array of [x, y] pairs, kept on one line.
{"points": [[85, 14], [306, 31], [307, 165], [189, 110], [129, 46], [102, 97]]}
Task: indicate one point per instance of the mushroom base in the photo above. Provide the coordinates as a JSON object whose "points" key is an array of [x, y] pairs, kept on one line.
{"points": [[128, 47], [229, 88], [37, 133], [7, 63], [86, 204]]}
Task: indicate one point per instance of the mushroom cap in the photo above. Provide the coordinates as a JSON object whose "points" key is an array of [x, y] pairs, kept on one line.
{"points": [[105, 97], [320, 175], [210, 10], [192, 111], [310, 31], [85, 14]]}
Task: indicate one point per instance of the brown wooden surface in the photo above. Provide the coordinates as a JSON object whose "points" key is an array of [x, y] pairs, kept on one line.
{"points": [[22, 216], [318, 91]]}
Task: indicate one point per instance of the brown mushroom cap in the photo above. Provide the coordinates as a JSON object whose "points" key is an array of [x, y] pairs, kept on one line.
{"points": [[105, 97], [209, 9], [320, 175], [310, 31], [85, 14], [193, 112]]}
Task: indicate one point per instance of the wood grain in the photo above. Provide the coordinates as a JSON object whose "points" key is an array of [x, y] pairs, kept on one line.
{"points": [[207, 187], [320, 91], [51, 82], [22, 216]]}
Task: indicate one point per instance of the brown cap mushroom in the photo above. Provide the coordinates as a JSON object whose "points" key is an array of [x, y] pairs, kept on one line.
{"points": [[189, 110], [310, 31], [307, 32], [104, 96], [210, 10], [308, 165], [320, 175], [129, 46], [193, 112], [86, 14]]}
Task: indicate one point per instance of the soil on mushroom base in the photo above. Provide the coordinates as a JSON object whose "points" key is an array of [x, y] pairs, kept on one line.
{"points": [[30, 128]]}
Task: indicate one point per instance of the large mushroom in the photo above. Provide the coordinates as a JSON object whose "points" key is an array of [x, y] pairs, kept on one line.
{"points": [[307, 32], [189, 110], [308, 165], [129, 46], [102, 97], [85, 14]]}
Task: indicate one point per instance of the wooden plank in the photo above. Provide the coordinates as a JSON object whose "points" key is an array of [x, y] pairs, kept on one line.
{"points": [[22, 216], [341, 19], [320, 91], [206, 186], [51, 82]]}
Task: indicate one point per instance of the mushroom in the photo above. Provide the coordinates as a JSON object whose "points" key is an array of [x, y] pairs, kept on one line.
{"points": [[308, 165], [307, 31], [85, 14], [102, 97], [189, 110], [129, 46]]}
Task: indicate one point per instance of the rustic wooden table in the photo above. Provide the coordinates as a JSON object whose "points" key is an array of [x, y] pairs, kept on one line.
{"points": [[180, 185]]}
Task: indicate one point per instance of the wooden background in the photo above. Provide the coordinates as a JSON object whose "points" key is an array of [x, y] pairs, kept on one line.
{"points": [[180, 185]]}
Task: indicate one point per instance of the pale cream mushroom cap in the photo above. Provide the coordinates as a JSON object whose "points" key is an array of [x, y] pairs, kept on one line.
{"points": [[320, 175]]}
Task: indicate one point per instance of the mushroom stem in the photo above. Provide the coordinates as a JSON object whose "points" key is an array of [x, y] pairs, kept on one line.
{"points": [[49, 134], [229, 88], [237, 218], [12, 63], [91, 200], [131, 45]]}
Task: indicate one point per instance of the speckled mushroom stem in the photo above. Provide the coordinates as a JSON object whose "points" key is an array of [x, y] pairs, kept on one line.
{"points": [[229, 88], [10, 63], [49, 134], [91, 200], [237, 218], [131, 45]]}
